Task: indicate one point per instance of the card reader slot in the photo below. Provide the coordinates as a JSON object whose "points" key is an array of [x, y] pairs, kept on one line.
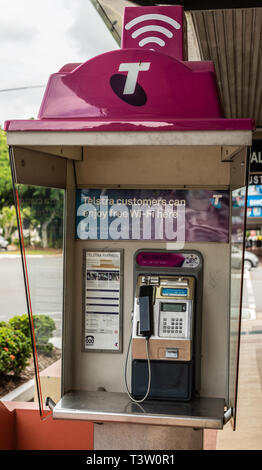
{"points": [[176, 283]]}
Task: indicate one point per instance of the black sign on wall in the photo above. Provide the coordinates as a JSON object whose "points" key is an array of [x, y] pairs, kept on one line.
{"points": [[256, 158], [255, 179]]}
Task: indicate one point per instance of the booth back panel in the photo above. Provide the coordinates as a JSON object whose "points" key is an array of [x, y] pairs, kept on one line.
{"points": [[93, 370]]}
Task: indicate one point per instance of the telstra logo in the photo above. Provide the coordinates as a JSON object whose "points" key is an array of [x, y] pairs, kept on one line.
{"points": [[126, 87]]}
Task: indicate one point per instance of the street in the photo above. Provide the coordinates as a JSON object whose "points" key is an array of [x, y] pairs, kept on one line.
{"points": [[46, 287]]}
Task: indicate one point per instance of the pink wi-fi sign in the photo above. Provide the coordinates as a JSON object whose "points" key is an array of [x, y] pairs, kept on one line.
{"points": [[159, 29]]}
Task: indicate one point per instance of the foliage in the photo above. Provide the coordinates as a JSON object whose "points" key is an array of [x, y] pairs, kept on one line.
{"points": [[21, 323], [6, 192], [15, 341], [46, 205], [8, 220], [41, 207], [15, 350], [43, 329]]}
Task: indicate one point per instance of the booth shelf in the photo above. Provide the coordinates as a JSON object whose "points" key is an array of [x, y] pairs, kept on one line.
{"points": [[117, 407]]}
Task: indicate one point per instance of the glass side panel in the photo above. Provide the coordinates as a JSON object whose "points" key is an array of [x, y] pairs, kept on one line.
{"points": [[40, 235], [238, 216]]}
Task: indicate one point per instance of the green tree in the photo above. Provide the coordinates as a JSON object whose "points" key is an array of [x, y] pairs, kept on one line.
{"points": [[46, 206], [41, 207], [6, 191], [8, 221]]}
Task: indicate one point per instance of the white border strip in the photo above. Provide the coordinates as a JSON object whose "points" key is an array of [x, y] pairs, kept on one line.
{"points": [[115, 138]]}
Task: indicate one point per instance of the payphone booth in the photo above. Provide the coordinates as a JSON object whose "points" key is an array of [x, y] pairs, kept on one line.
{"points": [[154, 182]]}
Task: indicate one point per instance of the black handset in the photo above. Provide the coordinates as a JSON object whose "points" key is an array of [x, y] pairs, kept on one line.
{"points": [[146, 310], [146, 294]]}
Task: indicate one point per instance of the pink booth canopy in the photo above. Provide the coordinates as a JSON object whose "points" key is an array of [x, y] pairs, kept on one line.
{"points": [[132, 90], [144, 86]]}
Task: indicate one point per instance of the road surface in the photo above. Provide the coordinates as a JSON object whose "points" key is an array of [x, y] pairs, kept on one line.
{"points": [[46, 287]]}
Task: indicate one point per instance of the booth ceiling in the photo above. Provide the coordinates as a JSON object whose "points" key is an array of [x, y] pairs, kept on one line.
{"points": [[230, 37]]}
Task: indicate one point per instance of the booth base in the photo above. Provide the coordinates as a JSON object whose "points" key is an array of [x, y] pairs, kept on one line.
{"points": [[113, 407], [120, 436]]}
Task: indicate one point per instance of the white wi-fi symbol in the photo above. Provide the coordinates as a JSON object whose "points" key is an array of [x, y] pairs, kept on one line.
{"points": [[152, 27]]}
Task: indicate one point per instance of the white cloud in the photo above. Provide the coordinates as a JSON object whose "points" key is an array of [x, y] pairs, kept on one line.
{"points": [[17, 34], [86, 31], [37, 39]]}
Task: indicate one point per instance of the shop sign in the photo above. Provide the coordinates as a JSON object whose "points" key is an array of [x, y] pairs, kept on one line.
{"points": [[256, 158]]}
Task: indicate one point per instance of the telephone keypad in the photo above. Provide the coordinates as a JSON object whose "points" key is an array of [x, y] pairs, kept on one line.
{"points": [[172, 326]]}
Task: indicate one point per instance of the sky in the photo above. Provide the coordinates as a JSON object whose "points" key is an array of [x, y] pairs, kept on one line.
{"points": [[36, 39]]}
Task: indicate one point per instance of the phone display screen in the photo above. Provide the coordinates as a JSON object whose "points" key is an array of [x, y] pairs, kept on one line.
{"points": [[173, 307]]}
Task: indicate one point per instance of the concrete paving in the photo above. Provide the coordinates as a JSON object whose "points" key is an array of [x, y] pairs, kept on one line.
{"points": [[248, 434]]}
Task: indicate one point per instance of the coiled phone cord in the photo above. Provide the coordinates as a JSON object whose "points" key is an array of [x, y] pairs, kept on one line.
{"points": [[149, 372]]}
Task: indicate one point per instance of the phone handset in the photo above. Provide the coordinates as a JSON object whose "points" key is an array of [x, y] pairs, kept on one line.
{"points": [[146, 311], [145, 298]]}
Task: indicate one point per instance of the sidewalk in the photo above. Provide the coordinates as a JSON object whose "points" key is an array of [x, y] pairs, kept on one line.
{"points": [[248, 435]]}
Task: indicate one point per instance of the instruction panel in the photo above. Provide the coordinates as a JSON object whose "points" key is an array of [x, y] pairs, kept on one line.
{"points": [[102, 306]]}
